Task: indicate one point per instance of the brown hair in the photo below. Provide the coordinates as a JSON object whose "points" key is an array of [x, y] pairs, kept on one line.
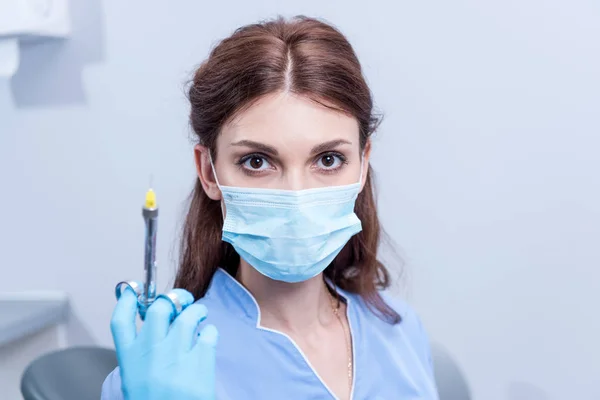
{"points": [[307, 57]]}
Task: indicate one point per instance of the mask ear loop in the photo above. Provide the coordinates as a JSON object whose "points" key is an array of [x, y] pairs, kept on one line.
{"points": [[362, 167], [212, 165]]}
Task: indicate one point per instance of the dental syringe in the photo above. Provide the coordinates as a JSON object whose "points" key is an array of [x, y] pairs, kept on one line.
{"points": [[150, 214]]}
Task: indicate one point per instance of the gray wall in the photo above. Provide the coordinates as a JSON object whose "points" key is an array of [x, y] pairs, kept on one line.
{"points": [[487, 163]]}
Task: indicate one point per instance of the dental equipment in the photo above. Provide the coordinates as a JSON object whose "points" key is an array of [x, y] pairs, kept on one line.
{"points": [[150, 214], [146, 292]]}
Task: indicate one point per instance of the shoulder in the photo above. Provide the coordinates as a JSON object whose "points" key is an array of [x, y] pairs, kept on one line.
{"points": [[111, 388], [413, 328], [409, 334], [410, 320]]}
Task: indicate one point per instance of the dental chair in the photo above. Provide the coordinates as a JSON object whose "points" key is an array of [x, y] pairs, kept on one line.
{"points": [[75, 373], [451, 382]]}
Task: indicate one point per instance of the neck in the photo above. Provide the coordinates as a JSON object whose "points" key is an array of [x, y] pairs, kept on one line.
{"points": [[290, 307]]}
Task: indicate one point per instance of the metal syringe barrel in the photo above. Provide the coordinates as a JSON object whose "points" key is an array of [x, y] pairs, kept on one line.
{"points": [[150, 214]]}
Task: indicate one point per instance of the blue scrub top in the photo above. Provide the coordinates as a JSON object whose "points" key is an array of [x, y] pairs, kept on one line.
{"points": [[391, 362]]}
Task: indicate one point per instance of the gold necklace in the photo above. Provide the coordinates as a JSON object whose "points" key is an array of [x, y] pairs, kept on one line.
{"points": [[347, 339]]}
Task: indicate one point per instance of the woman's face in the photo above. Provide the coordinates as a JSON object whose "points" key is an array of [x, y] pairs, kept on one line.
{"points": [[285, 141]]}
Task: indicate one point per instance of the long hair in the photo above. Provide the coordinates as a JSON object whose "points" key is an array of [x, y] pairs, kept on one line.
{"points": [[306, 57]]}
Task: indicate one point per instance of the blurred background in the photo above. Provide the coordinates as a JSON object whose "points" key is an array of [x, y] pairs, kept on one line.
{"points": [[487, 165]]}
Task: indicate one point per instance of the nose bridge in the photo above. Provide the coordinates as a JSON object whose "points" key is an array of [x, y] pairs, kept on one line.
{"points": [[296, 178]]}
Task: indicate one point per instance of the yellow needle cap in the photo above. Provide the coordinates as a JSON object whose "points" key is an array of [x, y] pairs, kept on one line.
{"points": [[150, 199]]}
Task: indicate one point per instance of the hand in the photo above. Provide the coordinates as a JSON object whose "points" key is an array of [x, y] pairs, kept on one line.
{"points": [[164, 361]]}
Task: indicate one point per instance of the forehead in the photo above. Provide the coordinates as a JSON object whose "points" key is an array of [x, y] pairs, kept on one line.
{"points": [[286, 120]]}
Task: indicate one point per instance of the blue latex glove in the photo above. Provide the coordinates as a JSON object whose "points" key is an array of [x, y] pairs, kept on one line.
{"points": [[164, 361]]}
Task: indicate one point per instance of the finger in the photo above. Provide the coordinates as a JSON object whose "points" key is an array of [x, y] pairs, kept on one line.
{"points": [[122, 323], [185, 326], [209, 336], [185, 297], [205, 353], [162, 312], [157, 321]]}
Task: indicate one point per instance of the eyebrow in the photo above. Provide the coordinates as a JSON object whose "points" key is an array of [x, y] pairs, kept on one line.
{"points": [[257, 145], [320, 148], [265, 148]]}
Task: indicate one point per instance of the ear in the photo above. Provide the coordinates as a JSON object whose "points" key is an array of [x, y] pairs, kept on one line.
{"points": [[365, 164], [205, 172]]}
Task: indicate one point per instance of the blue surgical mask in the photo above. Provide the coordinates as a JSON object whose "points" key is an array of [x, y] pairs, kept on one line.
{"points": [[290, 235]]}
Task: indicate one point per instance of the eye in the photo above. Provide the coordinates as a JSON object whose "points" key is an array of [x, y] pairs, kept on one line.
{"points": [[255, 163], [330, 161]]}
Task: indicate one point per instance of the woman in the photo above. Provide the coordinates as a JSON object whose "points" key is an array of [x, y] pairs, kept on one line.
{"points": [[280, 240]]}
